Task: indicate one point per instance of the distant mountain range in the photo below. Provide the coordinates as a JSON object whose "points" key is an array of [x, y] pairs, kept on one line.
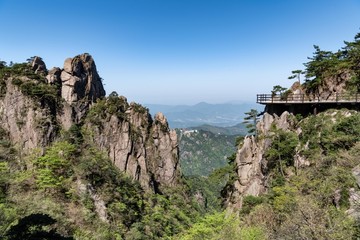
{"points": [[221, 115]]}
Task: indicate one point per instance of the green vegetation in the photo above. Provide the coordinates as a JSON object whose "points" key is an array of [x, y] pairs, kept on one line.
{"points": [[218, 226], [296, 74], [201, 152], [204, 162], [34, 226], [31, 84], [309, 201], [207, 189], [66, 187], [281, 152], [327, 64], [53, 168], [250, 121]]}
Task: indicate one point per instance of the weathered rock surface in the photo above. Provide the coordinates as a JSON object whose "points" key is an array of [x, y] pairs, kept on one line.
{"points": [[79, 86], [28, 124], [250, 161], [53, 76], [138, 145], [331, 86], [80, 80], [38, 66], [145, 149]]}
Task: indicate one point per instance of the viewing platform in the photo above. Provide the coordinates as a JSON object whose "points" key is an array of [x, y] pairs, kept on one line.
{"points": [[305, 99], [305, 104]]}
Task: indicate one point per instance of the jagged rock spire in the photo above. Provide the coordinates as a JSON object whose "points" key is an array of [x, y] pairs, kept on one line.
{"points": [[80, 79]]}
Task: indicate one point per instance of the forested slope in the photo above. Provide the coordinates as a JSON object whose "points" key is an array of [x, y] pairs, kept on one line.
{"points": [[298, 177]]}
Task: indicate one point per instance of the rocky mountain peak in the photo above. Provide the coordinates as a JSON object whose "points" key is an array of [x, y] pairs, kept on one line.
{"points": [[80, 79], [38, 65], [38, 103], [160, 118]]}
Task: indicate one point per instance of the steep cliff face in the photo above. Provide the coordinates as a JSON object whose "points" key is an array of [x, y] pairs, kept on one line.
{"points": [[80, 80], [30, 124], [250, 161], [142, 147], [36, 104]]}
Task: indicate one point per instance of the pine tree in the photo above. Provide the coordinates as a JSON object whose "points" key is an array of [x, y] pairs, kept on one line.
{"points": [[250, 121]]}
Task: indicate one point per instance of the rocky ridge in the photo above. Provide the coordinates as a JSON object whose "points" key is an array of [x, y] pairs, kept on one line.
{"points": [[35, 106]]}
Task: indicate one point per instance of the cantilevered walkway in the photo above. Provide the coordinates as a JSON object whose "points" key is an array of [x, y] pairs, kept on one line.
{"points": [[304, 104]]}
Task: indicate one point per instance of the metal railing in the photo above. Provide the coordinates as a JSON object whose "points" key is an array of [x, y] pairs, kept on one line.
{"points": [[303, 98]]}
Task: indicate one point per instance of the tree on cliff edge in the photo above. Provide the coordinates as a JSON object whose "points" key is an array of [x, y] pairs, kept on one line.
{"points": [[250, 121]]}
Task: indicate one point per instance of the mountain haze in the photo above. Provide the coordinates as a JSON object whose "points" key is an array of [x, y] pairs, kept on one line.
{"points": [[222, 115]]}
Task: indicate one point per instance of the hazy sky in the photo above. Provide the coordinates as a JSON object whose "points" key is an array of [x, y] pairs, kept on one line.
{"points": [[179, 51]]}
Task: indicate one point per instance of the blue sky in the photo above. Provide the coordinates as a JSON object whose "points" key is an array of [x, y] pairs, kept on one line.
{"points": [[180, 51]]}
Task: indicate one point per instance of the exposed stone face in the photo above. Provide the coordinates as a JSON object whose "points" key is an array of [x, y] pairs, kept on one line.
{"points": [[144, 148], [166, 151], [68, 90], [53, 76], [334, 84], [80, 80], [39, 66], [29, 125], [81, 86], [251, 163], [68, 65], [331, 86]]}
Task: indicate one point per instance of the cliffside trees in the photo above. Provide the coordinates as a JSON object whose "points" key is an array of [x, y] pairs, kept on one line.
{"points": [[281, 153], [250, 120], [277, 89], [296, 74], [326, 64], [351, 52], [315, 198]]}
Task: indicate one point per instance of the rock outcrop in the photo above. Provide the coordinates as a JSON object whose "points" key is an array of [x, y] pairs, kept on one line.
{"points": [[250, 161], [38, 66], [80, 86], [138, 145], [331, 86], [80, 80], [142, 147], [29, 125]]}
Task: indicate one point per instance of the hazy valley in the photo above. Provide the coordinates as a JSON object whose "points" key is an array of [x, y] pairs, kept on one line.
{"points": [[221, 115]]}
